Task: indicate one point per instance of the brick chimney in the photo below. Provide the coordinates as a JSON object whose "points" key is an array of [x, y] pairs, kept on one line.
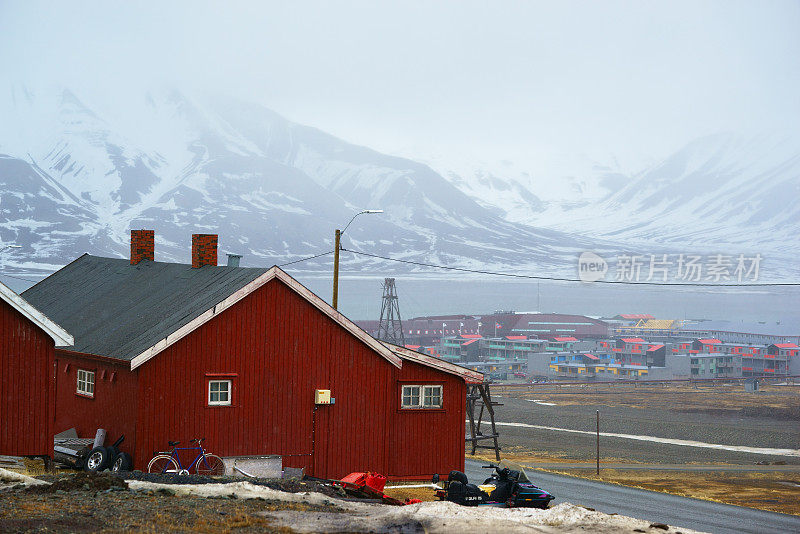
{"points": [[204, 250], [142, 245]]}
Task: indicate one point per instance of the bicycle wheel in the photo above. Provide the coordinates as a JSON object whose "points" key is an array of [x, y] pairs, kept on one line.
{"points": [[210, 465], [163, 463]]}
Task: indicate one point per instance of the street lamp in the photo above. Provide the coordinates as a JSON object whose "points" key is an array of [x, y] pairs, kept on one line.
{"points": [[337, 246]]}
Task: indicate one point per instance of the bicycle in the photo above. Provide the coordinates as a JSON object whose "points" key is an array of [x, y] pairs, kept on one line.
{"points": [[170, 463]]}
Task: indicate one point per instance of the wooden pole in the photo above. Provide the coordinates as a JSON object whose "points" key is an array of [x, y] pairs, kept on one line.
{"points": [[336, 270], [598, 442]]}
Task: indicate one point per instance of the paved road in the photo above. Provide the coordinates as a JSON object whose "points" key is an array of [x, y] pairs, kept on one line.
{"points": [[673, 510], [733, 468]]}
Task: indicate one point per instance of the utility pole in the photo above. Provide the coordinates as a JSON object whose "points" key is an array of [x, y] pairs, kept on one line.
{"points": [[598, 442], [336, 269], [337, 246], [390, 327]]}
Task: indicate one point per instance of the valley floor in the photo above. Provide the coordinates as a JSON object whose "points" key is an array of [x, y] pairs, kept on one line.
{"points": [[766, 421]]}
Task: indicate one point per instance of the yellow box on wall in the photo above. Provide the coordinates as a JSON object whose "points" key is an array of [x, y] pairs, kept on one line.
{"points": [[322, 396]]}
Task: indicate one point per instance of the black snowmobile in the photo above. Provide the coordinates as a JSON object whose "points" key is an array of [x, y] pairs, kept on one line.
{"points": [[507, 486]]}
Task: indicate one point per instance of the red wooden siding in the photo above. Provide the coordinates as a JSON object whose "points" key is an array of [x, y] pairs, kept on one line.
{"points": [[26, 402], [423, 442], [113, 406], [280, 349]]}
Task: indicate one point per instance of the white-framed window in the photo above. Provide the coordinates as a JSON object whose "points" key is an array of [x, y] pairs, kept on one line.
{"points": [[85, 382], [421, 396], [219, 392]]}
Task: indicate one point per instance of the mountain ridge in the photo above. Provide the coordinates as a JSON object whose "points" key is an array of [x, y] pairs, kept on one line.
{"points": [[272, 189], [74, 180]]}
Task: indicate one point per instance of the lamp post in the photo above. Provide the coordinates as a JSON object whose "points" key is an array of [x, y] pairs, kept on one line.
{"points": [[337, 246]]}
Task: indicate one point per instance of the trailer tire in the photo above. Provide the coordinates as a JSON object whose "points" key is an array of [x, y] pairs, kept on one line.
{"points": [[122, 462], [80, 461], [98, 459]]}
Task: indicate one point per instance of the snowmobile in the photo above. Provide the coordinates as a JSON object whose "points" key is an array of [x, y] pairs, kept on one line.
{"points": [[507, 486]]}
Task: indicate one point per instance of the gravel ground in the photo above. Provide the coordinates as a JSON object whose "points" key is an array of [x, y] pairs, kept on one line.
{"points": [[704, 416], [83, 502], [291, 485]]}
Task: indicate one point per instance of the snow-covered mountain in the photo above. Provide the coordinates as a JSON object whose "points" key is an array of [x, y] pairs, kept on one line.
{"points": [[77, 175], [74, 179], [720, 193]]}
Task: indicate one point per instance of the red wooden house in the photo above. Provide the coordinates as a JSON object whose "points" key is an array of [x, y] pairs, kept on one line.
{"points": [[236, 355], [27, 352]]}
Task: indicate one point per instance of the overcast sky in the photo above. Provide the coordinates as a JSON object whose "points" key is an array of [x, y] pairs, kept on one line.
{"points": [[494, 78]]}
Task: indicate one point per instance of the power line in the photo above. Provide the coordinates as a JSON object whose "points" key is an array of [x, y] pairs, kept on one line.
{"points": [[557, 279], [306, 259]]}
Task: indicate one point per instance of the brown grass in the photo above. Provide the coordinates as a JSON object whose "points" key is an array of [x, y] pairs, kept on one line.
{"points": [[762, 490], [524, 456], [33, 467], [424, 494], [783, 401]]}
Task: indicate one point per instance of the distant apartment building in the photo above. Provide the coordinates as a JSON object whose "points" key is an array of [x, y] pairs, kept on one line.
{"points": [[499, 370], [581, 366], [509, 348], [711, 358], [631, 318], [561, 344], [635, 351], [461, 348], [761, 333], [652, 329], [636, 358], [429, 330], [543, 326], [475, 348]]}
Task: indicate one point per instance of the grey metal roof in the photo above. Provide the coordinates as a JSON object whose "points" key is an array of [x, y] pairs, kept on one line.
{"points": [[116, 309]]}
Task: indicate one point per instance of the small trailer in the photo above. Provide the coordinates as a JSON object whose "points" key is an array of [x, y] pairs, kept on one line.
{"points": [[89, 453]]}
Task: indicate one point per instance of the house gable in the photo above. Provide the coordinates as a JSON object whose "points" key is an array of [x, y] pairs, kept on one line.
{"points": [[276, 349], [60, 336], [294, 285]]}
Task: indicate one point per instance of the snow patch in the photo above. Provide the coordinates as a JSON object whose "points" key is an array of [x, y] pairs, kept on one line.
{"points": [[434, 517], [11, 478], [669, 441], [241, 490], [444, 517]]}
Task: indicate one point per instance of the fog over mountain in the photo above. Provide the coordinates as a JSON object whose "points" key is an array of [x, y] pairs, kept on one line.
{"points": [[500, 138], [73, 180], [723, 191], [274, 191]]}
